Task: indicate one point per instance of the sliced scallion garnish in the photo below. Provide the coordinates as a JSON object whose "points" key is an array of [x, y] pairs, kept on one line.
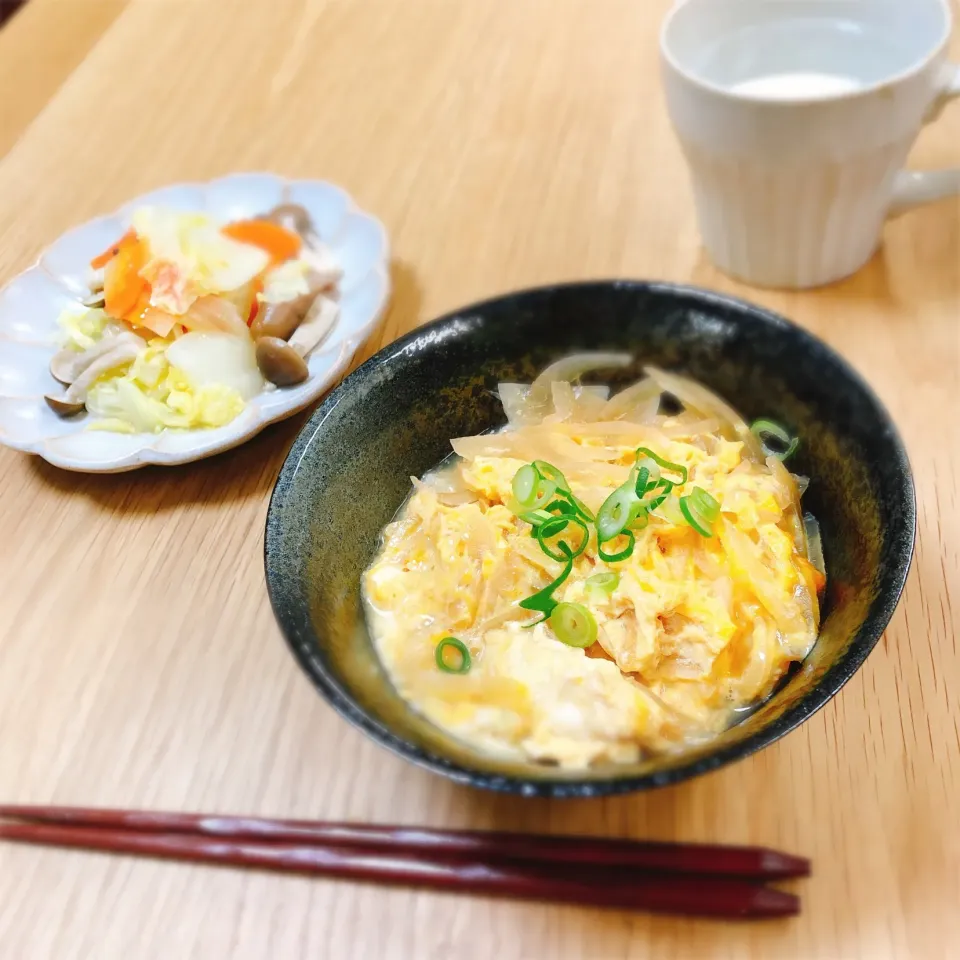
{"points": [[622, 554], [461, 656], [707, 506], [614, 515], [525, 482], [554, 527], [766, 430], [551, 472], [535, 517], [642, 482], [655, 495], [700, 510], [583, 509], [542, 601], [677, 468], [602, 584], [574, 625], [531, 490]]}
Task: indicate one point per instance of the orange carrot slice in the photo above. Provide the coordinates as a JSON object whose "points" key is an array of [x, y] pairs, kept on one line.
{"points": [[279, 242], [122, 284], [102, 259]]}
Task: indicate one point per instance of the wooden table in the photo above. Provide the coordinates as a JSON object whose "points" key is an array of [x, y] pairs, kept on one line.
{"points": [[504, 144]]}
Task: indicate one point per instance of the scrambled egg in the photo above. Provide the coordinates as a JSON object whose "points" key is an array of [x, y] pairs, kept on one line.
{"points": [[696, 627]]}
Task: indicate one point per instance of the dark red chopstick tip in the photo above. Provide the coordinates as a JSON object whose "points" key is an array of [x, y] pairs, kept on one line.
{"points": [[784, 866], [770, 902]]}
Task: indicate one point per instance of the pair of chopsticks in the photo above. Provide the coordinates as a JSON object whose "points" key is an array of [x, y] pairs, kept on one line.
{"points": [[691, 879]]}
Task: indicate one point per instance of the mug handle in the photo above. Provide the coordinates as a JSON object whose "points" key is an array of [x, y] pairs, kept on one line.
{"points": [[913, 188]]}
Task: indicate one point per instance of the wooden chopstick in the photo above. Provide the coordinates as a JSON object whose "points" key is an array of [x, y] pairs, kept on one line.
{"points": [[753, 863], [677, 894]]}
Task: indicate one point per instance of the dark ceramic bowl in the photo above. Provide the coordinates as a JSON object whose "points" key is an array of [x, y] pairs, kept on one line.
{"points": [[349, 469]]}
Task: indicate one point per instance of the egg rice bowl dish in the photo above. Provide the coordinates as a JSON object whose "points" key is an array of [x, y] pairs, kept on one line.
{"points": [[604, 579]]}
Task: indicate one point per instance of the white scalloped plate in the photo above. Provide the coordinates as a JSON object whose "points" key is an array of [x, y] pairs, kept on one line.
{"points": [[31, 303]]}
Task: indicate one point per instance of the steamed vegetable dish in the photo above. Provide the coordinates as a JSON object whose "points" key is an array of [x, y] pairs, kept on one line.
{"points": [[606, 578], [188, 319]]}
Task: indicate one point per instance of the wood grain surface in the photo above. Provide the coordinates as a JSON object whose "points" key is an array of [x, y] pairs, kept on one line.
{"points": [[503, 144]]}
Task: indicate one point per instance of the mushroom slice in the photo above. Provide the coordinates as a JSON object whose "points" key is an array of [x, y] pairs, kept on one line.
{"points": [[315, 252], [67, 365], [96, 300], [122, 354], [282, 319], [317, 324], [294, 217], [280, 363], [64, 408]]}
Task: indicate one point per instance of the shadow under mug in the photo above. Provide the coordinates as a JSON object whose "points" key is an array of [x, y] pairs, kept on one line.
{"points": [[796, 118]]}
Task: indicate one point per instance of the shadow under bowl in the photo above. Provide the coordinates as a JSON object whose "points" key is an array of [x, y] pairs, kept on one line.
{"points": [[348, 473]]}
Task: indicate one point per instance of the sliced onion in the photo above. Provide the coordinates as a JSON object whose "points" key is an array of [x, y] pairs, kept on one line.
{"points": [[578, 404], [642, 396], [513, 396], [457, 499], [577, 364], [525, 405], [697, 397], [568, 368], [791, 510], [811, 527]]}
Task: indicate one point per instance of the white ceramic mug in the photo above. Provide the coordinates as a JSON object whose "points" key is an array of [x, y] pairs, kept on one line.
{"points": [[796, 117]]}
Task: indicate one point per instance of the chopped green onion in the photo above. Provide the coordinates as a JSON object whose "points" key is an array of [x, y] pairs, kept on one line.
{"points": [[623, 554], [525, 482], [574, 625], [652, 468], [614, 515], [549, 471], [555, 526], [707, 506], [566, 502], [462, 658], [786, 445], [656, 498], [602, 584], [535, 517], [700, 510], [545, 490], [542, 601], [585, 511], [642, 482], [694, 519], [531, 490], [555, 475], [664, 464]]}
